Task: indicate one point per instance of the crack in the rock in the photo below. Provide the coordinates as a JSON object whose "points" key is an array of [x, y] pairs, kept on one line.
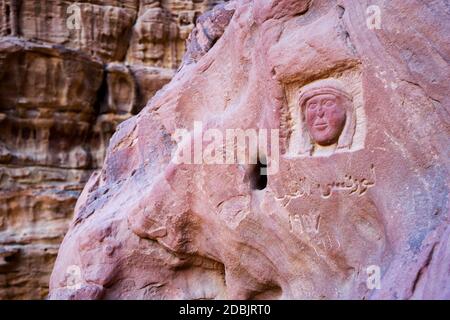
{"points": [[422, 270]]}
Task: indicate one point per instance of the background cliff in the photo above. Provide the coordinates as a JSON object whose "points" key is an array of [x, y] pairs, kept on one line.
{"points": [[70, 72]]}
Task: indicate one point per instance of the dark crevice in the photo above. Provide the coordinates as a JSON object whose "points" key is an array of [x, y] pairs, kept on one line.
{"points": [[100, 102], [341, 11], [258, 175], [8, 20], [422, 270]]}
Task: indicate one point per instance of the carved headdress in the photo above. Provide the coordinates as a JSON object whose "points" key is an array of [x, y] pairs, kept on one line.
{"points": [[336, 88]]}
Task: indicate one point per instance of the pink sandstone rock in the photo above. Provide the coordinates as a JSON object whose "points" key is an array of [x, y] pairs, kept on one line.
{"points": [[70, 72], [362, 185]]}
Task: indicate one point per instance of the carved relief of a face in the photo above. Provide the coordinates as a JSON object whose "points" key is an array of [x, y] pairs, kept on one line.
{"points": [[325, 118]]}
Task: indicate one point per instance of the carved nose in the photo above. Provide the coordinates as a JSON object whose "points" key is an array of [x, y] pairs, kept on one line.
{"points": [[320, 112]]}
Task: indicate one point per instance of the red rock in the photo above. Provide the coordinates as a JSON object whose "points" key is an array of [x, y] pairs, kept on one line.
{"points": [[332, 217], [64, 88]]}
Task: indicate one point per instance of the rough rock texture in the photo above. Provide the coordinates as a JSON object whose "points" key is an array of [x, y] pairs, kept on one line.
{"points": [[70, 72], [374, 192]]}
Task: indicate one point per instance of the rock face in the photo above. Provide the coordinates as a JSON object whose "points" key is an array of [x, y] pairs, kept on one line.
{"points": [[70, 72], [356, 202]]}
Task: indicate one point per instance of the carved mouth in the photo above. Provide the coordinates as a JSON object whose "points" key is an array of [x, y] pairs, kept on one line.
{"points": [[321, 126]]}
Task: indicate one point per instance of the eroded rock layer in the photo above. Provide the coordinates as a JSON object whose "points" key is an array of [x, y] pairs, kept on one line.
{"points": [[70, 72]]}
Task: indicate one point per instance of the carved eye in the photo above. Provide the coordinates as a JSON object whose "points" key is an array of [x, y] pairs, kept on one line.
{"points": [[329, 103], [312, 106]]}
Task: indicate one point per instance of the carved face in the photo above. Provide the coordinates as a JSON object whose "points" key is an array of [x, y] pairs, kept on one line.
{"points": [[325, 118]]}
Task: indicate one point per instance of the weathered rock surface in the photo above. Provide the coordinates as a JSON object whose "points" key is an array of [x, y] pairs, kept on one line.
{"points": [[370, 193], [70, 72]]}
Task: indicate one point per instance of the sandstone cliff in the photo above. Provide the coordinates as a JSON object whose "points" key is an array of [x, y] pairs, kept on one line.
{"points": [[70, 72]]}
